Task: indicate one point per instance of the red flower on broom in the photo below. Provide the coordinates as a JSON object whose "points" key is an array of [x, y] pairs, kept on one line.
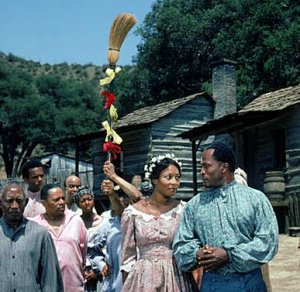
{"points": [[109, 98]]}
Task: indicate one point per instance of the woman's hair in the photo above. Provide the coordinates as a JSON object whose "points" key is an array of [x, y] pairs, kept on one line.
{"points": [[162, 165], [157, 164]]}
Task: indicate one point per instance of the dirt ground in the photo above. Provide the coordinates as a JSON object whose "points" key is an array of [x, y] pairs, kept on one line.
{"points": [[285, 267]]}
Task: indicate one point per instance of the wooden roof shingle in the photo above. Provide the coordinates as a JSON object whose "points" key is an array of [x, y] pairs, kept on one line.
{"points": [[265, 107], [274, 101], [153, 113], [142, 116]]}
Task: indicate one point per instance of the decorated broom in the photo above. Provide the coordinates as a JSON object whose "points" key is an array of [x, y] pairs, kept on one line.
{"points": [[119, 30]]}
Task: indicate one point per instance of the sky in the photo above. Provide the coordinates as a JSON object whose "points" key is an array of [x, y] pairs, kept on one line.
{"points": [[71, 31]]}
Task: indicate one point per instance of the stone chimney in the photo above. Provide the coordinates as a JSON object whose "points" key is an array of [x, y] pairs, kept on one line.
{"points": [[224, 87]]}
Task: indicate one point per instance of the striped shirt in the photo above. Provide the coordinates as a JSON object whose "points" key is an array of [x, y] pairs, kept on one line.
{"points": [[28, 261]]}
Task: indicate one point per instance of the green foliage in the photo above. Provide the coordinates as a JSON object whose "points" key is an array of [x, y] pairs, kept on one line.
{"points": [[181, 38], [128, 91], [41, 104], [40, 109], [22, 116]]}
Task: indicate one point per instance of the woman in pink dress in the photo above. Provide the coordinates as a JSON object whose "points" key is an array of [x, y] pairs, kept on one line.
{"points": [[148, 229]]}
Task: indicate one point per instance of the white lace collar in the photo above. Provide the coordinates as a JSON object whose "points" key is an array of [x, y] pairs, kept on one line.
{"points": [[167, 215]]}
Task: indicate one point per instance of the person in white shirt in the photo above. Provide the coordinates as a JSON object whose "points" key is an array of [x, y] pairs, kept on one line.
{"points": [[34, 176]]}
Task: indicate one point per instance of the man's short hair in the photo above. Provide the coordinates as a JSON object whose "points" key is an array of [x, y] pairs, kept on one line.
{"points": [[224, 154], [8, 184], [45, 190], [32, 163]]}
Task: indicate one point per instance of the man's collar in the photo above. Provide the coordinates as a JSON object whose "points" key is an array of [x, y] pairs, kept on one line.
{"points": [[9, 227], [225, 188]]}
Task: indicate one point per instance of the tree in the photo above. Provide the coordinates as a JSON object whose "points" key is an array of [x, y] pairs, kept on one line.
{"points": [[128, 90], [181, 38], [25, 117], [80, 108], [41, 110], [49, 87]]}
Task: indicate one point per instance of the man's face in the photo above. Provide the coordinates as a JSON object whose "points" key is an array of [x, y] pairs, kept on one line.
{"points": [[72, 185], [13, 204], [55, 204], [36, 179], [211, 170]]}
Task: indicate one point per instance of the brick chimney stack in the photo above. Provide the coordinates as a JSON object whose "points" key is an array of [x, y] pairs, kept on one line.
{"points": [[224, 87]]}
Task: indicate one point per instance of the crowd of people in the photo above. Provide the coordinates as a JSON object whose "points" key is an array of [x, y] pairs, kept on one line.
{"points": [[54, 240]]}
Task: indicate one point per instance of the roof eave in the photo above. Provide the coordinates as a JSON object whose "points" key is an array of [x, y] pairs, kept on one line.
{"points": [[101, 133], [229, 124]]}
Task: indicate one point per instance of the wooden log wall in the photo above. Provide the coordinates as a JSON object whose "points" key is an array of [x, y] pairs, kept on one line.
{"points": [[164, 139], [293, 165], [264, 155], [159, 137], [135, 148]]}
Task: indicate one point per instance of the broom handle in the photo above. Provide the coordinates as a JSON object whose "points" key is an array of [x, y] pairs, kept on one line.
{"points": [[111, 89], [110, 138]]}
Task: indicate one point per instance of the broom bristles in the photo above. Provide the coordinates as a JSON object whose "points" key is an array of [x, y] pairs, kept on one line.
{"points": [[119, 30]]}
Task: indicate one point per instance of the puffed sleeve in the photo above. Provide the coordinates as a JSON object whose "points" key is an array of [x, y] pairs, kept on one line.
{"points": [[129, 251]]}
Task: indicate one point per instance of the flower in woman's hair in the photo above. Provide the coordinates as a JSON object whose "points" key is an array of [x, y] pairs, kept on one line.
{"points": [[159, 157], [148, 168]]}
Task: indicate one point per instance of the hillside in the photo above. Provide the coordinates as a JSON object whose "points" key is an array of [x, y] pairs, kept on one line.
{"points": [[67, 71], [66, 102]]}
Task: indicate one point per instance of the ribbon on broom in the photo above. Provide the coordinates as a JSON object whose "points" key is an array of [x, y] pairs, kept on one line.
{"points": [[119, 29]]}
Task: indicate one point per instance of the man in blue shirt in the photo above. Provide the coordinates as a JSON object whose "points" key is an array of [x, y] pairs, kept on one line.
{"points": [[229, 230]]}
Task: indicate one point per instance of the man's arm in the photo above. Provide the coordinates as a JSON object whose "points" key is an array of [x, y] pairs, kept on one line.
{"points": [[50, 273], [185, 244], [264, 245]]}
